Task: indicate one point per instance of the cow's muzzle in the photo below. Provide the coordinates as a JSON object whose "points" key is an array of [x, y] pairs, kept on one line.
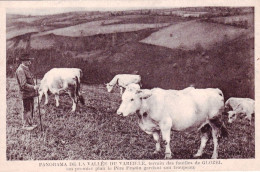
{"points": [[119, 113]]}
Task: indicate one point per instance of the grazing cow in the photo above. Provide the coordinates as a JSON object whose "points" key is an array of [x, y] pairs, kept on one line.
{"points": [[62, 79], [180, 110], [123, 80], [240, 107], [132, 87], [75, 71]]}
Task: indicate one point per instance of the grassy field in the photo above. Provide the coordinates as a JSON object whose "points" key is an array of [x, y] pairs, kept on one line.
{"points": [[94, 131], [21, 31], [205, 35], [18, 25], [96, 27], [229, 20]]}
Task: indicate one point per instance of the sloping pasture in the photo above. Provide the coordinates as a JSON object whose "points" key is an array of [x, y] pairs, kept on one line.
{"points": [[20, 25], [21, 31], [12, 19], [232, 19], [80, 34], [94, 131], [193, 34], [150, 19], [95, 28]]}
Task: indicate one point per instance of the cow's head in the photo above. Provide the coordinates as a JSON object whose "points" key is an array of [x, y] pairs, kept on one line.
{"points": [[232, 115], [109, 87], [132, 101], [40, 90]]}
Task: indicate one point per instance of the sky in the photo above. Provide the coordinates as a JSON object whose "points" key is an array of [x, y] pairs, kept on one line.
{"points": [[46, 11], [63, 6], [43, 11]]}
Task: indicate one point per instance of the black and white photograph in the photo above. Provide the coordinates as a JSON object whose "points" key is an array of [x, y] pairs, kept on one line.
{"points": [[166, 84]]}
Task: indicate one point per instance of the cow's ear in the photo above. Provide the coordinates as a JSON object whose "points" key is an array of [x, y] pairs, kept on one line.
{"points": [[144, 94], [138, 91]]}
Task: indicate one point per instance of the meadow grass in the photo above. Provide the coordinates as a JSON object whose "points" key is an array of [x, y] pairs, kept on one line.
{"points": [[95, 132]]}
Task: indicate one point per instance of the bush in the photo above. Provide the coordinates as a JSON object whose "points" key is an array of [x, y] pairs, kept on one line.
{"points": [[199, 48]]}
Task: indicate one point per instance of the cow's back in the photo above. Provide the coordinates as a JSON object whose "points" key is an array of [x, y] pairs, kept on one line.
{"points": [[186, 108], [246, 106], [126, 79], [233, 102], [58, 79], [209, 101]]}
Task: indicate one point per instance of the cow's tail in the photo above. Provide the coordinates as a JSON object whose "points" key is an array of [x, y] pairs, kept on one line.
{"points": [[219, 119], [80, 97], [224, 108], [140, 83], [80, 74]]}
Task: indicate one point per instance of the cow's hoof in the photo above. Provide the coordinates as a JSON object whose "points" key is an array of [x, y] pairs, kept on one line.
{"points": [[214, 157], [156, 152], [168, 156], [196, 155], [164, 142]]}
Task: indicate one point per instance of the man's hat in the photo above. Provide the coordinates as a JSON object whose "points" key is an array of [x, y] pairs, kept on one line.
{"points": [[25, 57]]}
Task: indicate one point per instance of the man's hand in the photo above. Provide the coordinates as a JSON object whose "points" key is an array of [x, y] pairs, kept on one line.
{"points": [[36, 87]]}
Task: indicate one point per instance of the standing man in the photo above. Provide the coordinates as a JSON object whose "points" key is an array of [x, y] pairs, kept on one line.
{"points": [[28, 90]]}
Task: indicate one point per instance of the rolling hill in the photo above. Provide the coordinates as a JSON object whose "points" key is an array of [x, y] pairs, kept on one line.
{"points": [[169, 51], [189, 35]]}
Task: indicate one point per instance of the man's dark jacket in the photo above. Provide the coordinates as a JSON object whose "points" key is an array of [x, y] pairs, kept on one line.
{"points": [[25, 81]]}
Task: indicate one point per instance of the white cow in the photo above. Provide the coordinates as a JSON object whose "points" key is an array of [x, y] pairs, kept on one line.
{"points": [[181, 110], [240, 107], [132, 87], [75, 71], [123, 80], [62, 79]]}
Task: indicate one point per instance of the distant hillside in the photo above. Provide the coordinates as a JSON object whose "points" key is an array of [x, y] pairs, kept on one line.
{"points": [[18, 25], [190, 35], [168, 51]]}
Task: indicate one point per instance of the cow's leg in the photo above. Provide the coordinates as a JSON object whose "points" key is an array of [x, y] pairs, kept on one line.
{"points": [[166, 137], [40, 96], [215, 142], [204, 139], [45, 92], [215, 126], [73, 106], [249, 117], [166, 132], [57, 100], [156, 137], [72, 96], [46, 97]]}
